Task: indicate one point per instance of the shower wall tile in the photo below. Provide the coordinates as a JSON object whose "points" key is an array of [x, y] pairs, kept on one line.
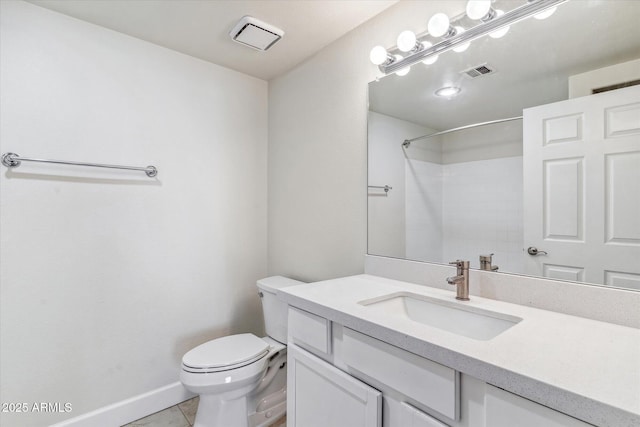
{"points": [[482, 211]]}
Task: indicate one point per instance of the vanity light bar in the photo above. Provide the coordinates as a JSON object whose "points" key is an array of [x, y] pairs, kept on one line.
{"points": [[533, 7]]}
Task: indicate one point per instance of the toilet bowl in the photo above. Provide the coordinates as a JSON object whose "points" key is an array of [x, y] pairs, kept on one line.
{"points": [[241, 379]]}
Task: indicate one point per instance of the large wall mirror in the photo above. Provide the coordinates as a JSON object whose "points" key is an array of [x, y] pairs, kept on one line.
{"points": [[553, 194]]}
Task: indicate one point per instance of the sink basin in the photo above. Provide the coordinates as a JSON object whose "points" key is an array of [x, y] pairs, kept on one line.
{"points": [[471, 322]]}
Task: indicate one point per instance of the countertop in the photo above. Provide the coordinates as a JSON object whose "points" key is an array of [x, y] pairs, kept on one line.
{"points": [[581, 367]]}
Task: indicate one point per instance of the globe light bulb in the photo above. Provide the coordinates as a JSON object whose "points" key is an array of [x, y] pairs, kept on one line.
{"points": [[378, 55], [502, 31], [462, 47], [478, 9], [406, 41], [403, 71], [432, 59], [545, 14], [438, 25]]}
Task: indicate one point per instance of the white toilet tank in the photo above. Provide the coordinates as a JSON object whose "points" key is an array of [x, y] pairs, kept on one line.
{"points": [[275, 311]]}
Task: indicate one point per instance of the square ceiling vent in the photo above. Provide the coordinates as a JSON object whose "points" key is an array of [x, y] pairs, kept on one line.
{"points": [[255, 34]]}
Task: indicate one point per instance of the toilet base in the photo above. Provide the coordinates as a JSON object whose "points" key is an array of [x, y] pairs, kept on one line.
{"points": [[271, 409], [215, 412]]}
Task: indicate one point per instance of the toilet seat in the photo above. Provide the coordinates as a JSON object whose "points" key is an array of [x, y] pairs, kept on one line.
{"points": [[224, 354]]}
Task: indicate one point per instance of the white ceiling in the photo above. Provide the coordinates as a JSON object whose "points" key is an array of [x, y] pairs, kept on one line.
{"points": [[200, 27]]}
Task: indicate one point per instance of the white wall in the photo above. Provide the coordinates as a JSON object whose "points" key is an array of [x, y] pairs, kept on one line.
{"points": [[386, 166], [108, 277], [483, 143], [583, 84], [318, 146], [424, 210]]}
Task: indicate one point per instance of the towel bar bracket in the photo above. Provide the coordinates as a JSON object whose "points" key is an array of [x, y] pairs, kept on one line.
{"points": [[8, 159]]}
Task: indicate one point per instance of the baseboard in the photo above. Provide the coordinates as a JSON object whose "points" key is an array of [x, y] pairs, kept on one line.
{"points": [[125, 411]]}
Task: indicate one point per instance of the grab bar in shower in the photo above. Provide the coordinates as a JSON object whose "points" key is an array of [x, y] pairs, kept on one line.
{"points": [[407, 142], [12, 160]]}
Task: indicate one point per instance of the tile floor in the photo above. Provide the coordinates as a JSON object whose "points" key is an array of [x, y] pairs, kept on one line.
{"points": [[180, 415]]}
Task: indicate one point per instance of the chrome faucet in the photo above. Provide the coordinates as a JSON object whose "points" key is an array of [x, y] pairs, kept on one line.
{"points": [[461, 279], [485, 263]]}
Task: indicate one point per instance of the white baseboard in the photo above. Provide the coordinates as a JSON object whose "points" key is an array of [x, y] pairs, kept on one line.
{"points": [[132, 409]]}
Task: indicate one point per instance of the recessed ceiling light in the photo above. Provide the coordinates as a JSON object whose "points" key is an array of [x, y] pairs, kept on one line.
{"points": [[448, 92]]}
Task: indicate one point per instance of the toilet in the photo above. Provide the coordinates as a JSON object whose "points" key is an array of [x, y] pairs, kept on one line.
{"points": [[242, 379]]}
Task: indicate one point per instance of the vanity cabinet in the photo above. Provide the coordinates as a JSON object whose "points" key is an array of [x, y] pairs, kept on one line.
{"points": [[319, 394], [338, 376]]}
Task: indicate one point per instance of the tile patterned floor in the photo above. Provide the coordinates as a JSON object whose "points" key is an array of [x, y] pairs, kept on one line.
{"points": [[181, 415]]}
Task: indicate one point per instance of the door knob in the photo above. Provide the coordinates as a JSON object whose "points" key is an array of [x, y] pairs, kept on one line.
{"points": [[532, 250]]}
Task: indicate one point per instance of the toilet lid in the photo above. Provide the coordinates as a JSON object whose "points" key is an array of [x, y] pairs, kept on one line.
{"points": [[226, 351]]}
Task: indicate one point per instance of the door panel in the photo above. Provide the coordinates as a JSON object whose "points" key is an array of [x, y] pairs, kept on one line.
{"points": [[582, 188], [320, 395], [622, 189], [563, 199], [563, 272]]}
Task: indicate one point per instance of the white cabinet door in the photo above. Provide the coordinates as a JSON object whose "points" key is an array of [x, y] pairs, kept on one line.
{"points": [[319, 395], [504, 409], [582, 188]]}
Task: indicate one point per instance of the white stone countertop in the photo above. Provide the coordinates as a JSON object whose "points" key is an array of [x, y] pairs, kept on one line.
{"points": [[581, 367]]}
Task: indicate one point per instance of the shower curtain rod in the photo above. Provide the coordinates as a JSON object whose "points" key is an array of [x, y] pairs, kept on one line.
{"points": [[408, 142], [12, 160]]}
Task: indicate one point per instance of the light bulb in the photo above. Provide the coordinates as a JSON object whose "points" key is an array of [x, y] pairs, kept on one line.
{"points": [[461, 47], [378, 55], [545, 14], [403, 71], [432, 59], [448, 92], [502, 31], [406, 41], [478, 9], [438, 25]]}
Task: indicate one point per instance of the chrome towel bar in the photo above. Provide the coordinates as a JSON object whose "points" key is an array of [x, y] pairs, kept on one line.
{"points": [[12, 160]]}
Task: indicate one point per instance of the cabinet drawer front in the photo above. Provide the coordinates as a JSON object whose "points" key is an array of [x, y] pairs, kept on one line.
{"points": [[504, 409], [309, 331], [430, 383]]}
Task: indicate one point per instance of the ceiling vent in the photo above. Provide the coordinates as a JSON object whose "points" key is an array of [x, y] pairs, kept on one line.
{"points": [[480, 70], [255, 34]]}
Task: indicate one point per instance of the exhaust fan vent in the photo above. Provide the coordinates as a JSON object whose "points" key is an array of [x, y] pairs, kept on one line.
{"points": [[479, 70], [255, 34]]}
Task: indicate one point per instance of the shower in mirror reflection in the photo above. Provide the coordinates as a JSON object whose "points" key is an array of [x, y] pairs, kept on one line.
{"points": [[488, 165]]}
